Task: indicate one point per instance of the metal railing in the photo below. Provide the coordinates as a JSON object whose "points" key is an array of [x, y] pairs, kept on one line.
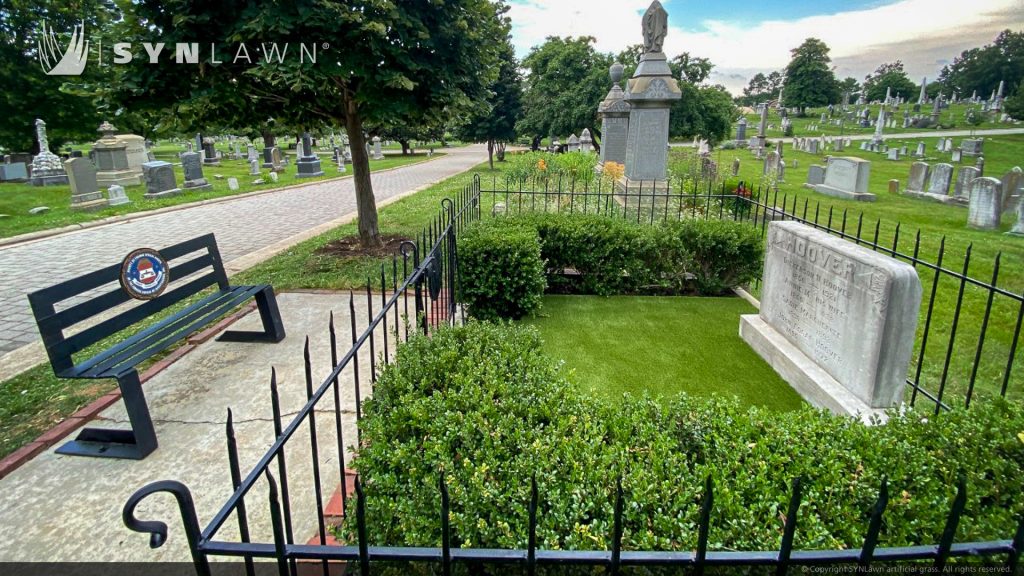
{"points": [[431, 281], [957, 357]]}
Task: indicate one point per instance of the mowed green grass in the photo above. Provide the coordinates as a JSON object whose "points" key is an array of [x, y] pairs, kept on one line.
{"points": [[661, 346]]}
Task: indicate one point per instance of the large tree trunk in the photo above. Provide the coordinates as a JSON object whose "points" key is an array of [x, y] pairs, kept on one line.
{"points": [[405, 147], [490, 153], [366, 204]]}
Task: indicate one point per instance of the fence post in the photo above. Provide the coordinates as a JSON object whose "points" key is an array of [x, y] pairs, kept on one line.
{"points": [[790, 529], [704, 527], [446, 537], [867, 551], [949, 533]]}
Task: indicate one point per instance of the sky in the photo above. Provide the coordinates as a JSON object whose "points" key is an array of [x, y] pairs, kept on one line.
{"points": [[744, 37]]}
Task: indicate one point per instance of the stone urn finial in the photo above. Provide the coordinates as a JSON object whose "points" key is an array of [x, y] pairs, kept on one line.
{"points": [[615, 72], [108, 130]]}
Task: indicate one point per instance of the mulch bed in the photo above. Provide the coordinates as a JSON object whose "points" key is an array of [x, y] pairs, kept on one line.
{"points": [[349, 247]]}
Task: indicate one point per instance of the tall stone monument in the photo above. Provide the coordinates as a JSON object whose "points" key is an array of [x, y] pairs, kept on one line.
{"points": [[924, 91], [614, 114], [650, 93], [47, 169], [111, 157], [308, 164], [741, 132]]}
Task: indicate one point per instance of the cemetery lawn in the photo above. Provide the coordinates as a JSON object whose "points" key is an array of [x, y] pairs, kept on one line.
{"points": [[17, 199], [659, 346]]}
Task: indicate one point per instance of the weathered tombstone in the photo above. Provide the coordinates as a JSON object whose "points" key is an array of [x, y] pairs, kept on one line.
{"points": [[193, 169], [251, 153], [254, 167], [85, 194], [837, 320], [741, 132], [586, 141], [893, 154], [232, 183], [378, 154], [574, 143], [920, 152], [273, 177], [771, 164], [986, 204], [894, 186], [160, 180], [269, 143], [47, 168], [941, 177], [15, 172], [962, 186], [210, 149], [308, 164], [863, 145], [1013, 188], [782, 170], [947, 145], [614, 114], [980, 165], [918, 179], [116, 195], [1018, 228], [957, 156], [136, 152], [815, 175], [650, 93], [735, 166], [276, 161], [812, 146], [847, 177]]}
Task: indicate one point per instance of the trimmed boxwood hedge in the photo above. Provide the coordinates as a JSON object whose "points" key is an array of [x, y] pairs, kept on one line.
{"points": [[483, 404], [502, 273]]}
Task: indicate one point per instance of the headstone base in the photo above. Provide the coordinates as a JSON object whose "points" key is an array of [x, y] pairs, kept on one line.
{"points": [[844, 194], [636, 192], [164, 194], [40, 178], [119, 178], [309, 169], [812, 382], [88, 202], [197, 185], [948, 200]]}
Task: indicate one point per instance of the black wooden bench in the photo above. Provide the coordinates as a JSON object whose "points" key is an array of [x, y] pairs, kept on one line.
{"points": [[120, 361]]}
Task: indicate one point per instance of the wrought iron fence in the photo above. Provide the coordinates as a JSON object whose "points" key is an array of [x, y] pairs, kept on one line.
{"points": [[427, 274], [967, 345]]}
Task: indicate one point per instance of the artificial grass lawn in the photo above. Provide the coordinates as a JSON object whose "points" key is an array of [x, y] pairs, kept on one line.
{"points": [[17, 199], [661, 346]]}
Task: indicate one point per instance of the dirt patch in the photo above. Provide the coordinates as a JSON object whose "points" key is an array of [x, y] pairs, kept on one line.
{"points": [[348, 247]]}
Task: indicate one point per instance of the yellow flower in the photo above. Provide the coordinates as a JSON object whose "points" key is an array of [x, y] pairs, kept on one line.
{"points": [[542, 165], [614, 170]]}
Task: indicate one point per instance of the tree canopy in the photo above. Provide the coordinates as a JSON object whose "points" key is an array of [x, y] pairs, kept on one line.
{"points": [[981, 69], [377, 64], [810, 81], [761, 88], [889, 77], [494, 120]]}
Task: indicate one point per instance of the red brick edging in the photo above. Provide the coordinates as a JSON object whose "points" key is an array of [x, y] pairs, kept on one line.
{"points": [[54, 435]]}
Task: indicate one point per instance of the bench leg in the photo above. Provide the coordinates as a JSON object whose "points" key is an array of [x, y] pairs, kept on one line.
{"points": [[134, 444], [273, 328]]}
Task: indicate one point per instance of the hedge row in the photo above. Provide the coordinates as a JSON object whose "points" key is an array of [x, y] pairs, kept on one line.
{"points": [[483, 404], [500, 276]]}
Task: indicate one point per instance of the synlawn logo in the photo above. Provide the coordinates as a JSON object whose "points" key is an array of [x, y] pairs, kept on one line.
{"points": [[58, 60]]}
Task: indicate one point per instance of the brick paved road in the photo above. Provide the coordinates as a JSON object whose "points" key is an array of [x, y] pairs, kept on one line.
{"points": [[242, 225]]}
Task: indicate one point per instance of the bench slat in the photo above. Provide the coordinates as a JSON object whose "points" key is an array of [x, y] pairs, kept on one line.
{"points": [[94, 334], [75, 286], [141, 347], [75, 314]]}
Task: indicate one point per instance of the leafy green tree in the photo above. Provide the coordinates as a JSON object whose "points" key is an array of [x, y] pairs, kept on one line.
{"points": [[379, 63], [566, 80], [28, 93], [703, 111], [1014, 105], [761, 88], [494, 121], [981, 69], [889, 76], [849, 84], [810, 81], [933, 89]]}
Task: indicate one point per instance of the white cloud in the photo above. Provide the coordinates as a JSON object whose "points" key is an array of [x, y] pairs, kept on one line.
{"points": [[920, 32]]}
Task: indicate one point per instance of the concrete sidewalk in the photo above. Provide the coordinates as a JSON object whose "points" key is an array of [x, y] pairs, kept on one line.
{"points": [[67, 508]]}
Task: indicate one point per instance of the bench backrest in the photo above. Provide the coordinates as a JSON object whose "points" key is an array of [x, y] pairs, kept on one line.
{"points": [[52, 324]]}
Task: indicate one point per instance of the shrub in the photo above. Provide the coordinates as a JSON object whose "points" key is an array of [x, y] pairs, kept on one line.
{"points": [[482, 404], [501, 274], [721, 254]]}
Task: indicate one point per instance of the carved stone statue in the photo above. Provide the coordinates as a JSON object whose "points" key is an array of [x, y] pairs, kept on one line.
{"points": [[655, 25]]}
